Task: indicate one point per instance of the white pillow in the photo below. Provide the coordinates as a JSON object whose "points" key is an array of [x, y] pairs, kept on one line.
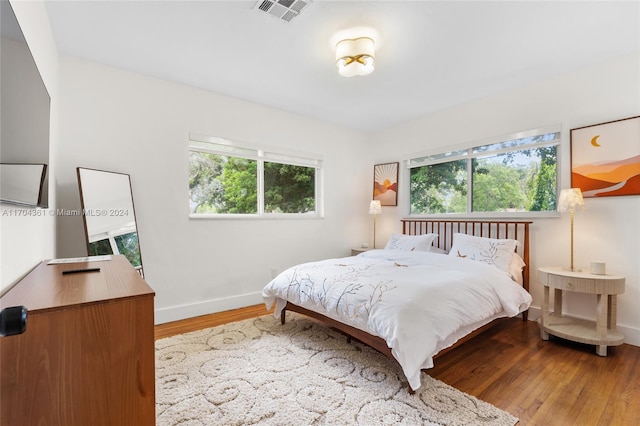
{"points": [[410, 242], [515, 268], [492, 251], [438, 250]]}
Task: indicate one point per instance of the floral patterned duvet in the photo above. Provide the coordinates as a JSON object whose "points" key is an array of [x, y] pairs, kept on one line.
{"points": [[418, 302]]}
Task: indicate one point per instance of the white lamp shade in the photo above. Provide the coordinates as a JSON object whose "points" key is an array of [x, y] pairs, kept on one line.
{"points": [[375, 207], [570, 199], [355, 56]]}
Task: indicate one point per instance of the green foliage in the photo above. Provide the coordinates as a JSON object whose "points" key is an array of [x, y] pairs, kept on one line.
{"points": [[128, 246], [240, 185], [288, 188], [205, 189], [496, 187], [514, 181], [221, 184], [99, 248], [439, 188], [542, 187]]}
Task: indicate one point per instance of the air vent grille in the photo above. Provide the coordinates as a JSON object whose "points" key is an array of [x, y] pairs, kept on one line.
{"points": [[264, 5], [284, 10]]}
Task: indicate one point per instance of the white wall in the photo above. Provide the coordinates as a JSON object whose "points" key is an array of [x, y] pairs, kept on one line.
{"points": [[120, 121], [609, 228], [28, 235]]}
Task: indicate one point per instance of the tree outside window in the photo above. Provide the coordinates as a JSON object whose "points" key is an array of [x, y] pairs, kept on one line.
{"points": [[513, 175], [227, 185]]}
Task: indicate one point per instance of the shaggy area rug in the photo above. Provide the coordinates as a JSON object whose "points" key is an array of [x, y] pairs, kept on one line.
{"points": [[258, 371]]}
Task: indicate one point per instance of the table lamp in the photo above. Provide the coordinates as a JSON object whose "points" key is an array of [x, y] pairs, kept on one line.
{"points": [[375, 208], [569, 200]]}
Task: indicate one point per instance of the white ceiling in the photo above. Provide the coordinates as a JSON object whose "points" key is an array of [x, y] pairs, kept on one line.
{"points": [[430, 54]]}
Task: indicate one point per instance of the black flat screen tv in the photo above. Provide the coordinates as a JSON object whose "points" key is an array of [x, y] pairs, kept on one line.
{"points": [[24, 118]]}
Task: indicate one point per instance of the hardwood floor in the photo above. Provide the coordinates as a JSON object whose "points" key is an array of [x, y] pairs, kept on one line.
{"points": [[206, 321], [542, 383], [546, 383]]}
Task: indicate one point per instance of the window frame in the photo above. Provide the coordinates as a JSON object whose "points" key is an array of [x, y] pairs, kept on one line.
{"points": [[261, 154], [465, 151]]}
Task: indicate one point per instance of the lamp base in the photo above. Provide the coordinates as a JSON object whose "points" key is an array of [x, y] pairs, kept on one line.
{"points": [[568, 268]]}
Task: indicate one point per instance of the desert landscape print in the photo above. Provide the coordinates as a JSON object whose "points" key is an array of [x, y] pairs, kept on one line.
{"points": [[605, 158], [385, 183]]}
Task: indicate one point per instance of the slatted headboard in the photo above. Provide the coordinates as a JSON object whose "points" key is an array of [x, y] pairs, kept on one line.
{"points": [[515, 230]]}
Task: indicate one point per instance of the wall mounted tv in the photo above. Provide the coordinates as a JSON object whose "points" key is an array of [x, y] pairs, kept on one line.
{"points": [[24, 118]]}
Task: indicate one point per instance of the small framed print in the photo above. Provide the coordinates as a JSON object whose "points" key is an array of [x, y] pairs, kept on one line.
{"points": [[385, 183], [605, 158]]}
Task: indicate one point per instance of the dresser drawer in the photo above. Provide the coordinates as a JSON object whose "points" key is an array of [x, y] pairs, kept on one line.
{"points": [[583, 285]]}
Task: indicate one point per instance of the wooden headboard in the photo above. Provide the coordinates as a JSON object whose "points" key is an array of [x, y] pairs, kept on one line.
{"points": [[515, 230]]}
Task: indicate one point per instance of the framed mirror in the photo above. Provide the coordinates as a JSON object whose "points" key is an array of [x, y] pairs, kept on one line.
{"points": [[108, 214]]}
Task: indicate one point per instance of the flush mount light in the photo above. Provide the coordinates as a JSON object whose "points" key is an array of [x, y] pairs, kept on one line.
{"points": [[355, 56]]}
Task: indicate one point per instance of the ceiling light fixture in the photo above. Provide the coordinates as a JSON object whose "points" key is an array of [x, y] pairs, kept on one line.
{"points": [[355, 56]]}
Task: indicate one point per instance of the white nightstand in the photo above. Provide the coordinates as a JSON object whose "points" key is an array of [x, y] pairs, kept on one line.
{"points": [[602, 332], [356, 251]]}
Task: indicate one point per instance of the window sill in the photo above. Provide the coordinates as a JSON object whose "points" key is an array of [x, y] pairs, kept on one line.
{"points": [[204, 216], [488, 215]]}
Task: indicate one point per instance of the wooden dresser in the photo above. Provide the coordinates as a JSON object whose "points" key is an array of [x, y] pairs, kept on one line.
{"points": [[87, 355]]}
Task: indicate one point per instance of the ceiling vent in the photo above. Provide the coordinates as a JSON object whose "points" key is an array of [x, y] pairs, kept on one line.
{"points": [[284, 10]]}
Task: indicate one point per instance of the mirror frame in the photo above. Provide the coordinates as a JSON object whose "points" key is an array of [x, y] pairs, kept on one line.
{"points": [[84, 208]]}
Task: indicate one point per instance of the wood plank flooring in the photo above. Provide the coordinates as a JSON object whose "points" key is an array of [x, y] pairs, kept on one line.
{"points": [[206, 321], [542, 383]]}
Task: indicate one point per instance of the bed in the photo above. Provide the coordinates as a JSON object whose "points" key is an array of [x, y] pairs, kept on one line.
{"points": [[434, 286]]}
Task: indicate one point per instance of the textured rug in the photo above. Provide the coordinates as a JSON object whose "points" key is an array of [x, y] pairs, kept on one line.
{"points": [[302, 373]]}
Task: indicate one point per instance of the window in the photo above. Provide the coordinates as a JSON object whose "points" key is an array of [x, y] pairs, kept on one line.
{"points": [[227, 179], [516, 173]]}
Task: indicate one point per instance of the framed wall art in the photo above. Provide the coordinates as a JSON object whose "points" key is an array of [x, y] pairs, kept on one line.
{"points": [[385, 183], [605, 158]]}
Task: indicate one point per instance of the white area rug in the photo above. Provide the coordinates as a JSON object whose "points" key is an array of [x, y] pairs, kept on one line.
{"points": [[260, 372]]}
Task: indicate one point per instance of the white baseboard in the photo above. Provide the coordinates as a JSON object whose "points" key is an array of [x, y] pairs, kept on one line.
{"points": [[534, 313], [631, 335], [175, 313]]}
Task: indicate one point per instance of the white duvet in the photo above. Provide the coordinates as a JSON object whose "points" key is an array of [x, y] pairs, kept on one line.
{"points": [[418, 302]]}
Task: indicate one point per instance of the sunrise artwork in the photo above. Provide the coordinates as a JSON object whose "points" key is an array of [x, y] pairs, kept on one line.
{"points": [[605, 158], [385, 183]]}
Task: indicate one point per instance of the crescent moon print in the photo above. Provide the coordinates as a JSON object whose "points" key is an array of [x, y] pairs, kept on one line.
{"points": [[605, 158], [385, 183]]}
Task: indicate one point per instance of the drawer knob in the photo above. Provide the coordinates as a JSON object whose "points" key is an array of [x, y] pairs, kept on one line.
{"points": [[569, 284]]}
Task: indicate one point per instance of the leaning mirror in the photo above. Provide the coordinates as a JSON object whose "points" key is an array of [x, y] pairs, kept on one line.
{"points": [[108, 215]]}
